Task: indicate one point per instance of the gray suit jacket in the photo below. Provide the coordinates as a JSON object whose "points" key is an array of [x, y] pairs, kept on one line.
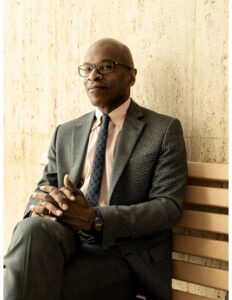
{"points": [[146, 191]]}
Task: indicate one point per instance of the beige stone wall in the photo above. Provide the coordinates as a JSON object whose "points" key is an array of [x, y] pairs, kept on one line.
{"points": [[180, 51]]}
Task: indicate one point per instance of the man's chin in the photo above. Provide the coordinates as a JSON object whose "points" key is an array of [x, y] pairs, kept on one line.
{"points": [[97, 101]]}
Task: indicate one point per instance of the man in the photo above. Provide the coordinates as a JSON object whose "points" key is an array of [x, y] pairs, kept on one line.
{"points": [[93, 235]]}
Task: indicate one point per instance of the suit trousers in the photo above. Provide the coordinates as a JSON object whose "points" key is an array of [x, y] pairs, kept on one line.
{"points": [[48, 261]]}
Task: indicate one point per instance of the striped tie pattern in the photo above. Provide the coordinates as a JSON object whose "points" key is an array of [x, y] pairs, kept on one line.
{"points": [[94, 187]]}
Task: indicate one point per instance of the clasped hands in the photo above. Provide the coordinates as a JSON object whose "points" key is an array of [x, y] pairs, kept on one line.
{"points": [[67, 204]]}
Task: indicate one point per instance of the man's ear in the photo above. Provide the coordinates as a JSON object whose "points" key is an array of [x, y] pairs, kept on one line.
{"points": [[133, 73]]}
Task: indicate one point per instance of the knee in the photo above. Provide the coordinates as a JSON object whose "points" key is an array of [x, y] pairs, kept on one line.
{"points": [[36, 227], [42, 235]]}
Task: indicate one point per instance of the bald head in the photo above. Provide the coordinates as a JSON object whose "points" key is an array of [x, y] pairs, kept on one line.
{"points": [[108, 90], [118, 50]]}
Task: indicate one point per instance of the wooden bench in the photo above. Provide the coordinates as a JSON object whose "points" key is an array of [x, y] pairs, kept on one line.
{"points": [[201, 236]]}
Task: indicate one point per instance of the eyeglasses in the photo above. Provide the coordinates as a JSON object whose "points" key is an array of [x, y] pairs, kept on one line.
{"points": [[104, 67]]}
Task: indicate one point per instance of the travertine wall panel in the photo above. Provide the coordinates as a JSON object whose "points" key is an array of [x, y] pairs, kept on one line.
{"points": [[209, 130], [180, 51]]}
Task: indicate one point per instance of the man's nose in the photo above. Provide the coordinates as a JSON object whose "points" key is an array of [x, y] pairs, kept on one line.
{"points": [[94, 75]]}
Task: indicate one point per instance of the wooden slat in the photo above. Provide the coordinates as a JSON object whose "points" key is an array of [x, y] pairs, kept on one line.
{"points": [[180, 295], [200, 247], [201, 275], [208, 171], [207, 196], [204, 221]]}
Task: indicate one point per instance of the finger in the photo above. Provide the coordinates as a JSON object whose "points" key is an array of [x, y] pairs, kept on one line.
{"points": [[44, 197], [47, 188], [54, 196], [35, 215], [40, 211], [68, 194], [60, 198], [50, 218], [41, 196], [52, 208], [31, 207], [69, 185]]}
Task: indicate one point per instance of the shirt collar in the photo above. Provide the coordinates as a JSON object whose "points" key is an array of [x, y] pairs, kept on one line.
{"points": [[117, 116]]}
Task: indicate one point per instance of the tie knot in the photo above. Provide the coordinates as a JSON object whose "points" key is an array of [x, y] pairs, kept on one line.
{"points": [[105, 119]]}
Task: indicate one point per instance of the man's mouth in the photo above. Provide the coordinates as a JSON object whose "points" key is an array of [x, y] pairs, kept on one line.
{"points": [[97, 87]]}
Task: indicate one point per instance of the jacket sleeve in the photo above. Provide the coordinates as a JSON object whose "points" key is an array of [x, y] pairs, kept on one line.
{"points": [[162, 207], [49, 174]]}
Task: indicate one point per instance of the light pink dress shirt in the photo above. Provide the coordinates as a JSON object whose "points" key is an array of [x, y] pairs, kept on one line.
{"points": [[117, 118]]}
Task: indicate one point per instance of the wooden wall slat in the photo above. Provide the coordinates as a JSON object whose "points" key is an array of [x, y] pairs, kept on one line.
{"points": [[200, 247], [202, 275], [207, 196], [180, 295], [208, 171], [204, 221]]}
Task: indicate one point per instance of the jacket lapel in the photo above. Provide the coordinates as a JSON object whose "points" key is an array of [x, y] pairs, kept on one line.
{"points": [[80, 138], [132, 128]]}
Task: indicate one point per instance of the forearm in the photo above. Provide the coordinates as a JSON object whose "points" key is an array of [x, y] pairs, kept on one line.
{"points": [[125, 223]]}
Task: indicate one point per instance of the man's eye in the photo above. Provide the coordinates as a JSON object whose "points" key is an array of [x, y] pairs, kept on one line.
{"points": [[87, 68], [105, 67]]}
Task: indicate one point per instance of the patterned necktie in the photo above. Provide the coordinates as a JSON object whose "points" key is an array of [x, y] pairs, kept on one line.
{"points": [[94, 187]]}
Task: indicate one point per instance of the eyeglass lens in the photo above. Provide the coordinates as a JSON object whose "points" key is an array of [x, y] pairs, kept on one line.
{"points": [[103, 67]]}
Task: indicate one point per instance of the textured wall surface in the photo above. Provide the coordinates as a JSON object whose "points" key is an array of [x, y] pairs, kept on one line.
{"points": [[180, 51]]}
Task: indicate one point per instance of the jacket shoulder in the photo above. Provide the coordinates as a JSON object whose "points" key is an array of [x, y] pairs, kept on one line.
{"points": [[80, 120], [154, 118]]}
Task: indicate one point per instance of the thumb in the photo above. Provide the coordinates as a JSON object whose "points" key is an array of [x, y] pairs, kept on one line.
{"points": [[69, 185]]}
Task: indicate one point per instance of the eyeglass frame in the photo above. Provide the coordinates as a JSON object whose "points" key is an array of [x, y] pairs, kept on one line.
{"points": [[95, 66]]}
